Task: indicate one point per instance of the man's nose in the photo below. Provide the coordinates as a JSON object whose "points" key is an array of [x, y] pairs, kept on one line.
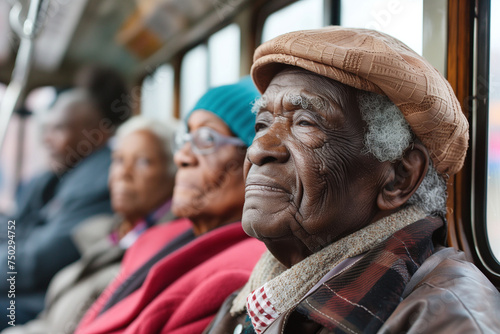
{"points": [[268, 148]]}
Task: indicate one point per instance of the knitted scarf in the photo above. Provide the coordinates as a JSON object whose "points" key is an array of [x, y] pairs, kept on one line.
{"points": [[273, 289]]}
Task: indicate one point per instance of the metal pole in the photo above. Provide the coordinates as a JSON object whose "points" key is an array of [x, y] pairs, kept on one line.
{"points": [[27, 32]]}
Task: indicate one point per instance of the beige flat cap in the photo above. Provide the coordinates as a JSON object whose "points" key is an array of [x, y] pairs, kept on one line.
{"points": [[376, 62]]}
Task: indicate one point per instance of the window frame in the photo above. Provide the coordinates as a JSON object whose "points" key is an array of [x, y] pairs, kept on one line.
{"points": [[466, 61], [480, 141]]}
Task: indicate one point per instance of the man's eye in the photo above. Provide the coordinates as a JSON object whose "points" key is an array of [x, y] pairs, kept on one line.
{"points": [[259, 126], [305, 123]]}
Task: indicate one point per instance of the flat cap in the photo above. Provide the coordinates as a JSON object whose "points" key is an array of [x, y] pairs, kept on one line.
{"points": [[376, 62]]}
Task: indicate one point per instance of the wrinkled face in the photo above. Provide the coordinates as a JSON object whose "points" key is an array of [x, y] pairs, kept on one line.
{"points": [[209, 186], [138, 179], [307, 181]]}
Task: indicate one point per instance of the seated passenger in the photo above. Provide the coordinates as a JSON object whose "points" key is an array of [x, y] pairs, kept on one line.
{"points": [[141, 181], [176, 285], [356, 135], [76, 136]]}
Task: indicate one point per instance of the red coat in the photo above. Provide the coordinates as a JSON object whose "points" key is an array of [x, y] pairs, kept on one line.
{"points": [[184, 290]]}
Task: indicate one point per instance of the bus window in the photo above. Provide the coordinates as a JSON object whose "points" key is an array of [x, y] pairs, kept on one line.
{"points": [[224, 56], [303, 14], [435, 33], [38, 101], [390, 16], [194, 77], [214, 63], [23, 155], [157, 98], [493, 183]]}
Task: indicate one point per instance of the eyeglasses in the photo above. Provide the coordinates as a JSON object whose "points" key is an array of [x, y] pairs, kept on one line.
{"points": [[204, 140]]}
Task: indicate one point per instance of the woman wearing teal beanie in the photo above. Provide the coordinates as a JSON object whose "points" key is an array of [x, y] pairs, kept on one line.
{"points": [[177, 275], [221, 127]]}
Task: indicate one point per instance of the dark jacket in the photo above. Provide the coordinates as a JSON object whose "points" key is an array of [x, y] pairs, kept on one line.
{"points": [[448, 295], [45, 222]]}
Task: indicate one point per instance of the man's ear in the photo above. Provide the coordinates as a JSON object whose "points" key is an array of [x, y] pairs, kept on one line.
{"points": [[404, 178]]}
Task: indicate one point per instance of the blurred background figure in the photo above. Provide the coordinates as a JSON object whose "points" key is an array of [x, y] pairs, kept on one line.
{"points": [[56, 202], [108, 90], [73, 130], [141, 182]]}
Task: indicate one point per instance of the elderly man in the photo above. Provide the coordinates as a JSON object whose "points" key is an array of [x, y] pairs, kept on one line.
{"points": [[346, 185]]}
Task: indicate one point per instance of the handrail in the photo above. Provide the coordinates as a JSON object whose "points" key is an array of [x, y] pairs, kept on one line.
{"points": [[27, 32]]}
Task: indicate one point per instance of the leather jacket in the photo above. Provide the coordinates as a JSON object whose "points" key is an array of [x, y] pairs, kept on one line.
{"points": [[446, 294]]}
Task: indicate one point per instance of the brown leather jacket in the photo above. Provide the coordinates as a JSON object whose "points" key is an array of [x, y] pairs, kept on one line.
{"points": [[446, 294]]}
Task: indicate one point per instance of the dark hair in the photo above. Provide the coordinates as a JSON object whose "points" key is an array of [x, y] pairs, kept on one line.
{"points": [[109, 91]]}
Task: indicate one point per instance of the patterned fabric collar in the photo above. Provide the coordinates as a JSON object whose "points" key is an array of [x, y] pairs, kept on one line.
{"points": [[134, 234], [261, 311], [277, 289], [141, 226]]}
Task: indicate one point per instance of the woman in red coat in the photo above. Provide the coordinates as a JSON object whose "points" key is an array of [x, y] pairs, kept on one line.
{"points": [[173, 282]]}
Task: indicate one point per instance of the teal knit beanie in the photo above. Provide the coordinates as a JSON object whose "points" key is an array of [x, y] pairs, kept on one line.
{"points": [[233, 104]]}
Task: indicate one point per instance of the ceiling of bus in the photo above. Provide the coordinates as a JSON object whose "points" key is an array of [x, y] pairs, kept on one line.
{"points": [[122, 34]]}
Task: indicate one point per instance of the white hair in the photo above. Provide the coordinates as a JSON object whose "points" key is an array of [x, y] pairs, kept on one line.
{"points": [[304, 102], [387, 137], [159, 129], [258, 104]]}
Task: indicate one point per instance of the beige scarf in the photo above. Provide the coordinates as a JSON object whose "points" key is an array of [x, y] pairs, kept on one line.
{"points": [[286, 287]]}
